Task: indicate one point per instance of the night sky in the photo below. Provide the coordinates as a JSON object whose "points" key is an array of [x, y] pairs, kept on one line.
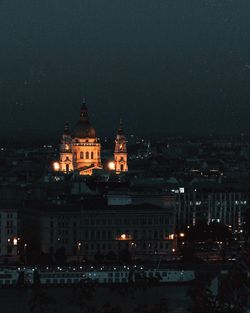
{"points": [[171, 66]]}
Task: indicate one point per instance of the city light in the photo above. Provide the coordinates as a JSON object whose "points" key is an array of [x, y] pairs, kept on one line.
{"points": [[123, 236], [56, 166], [79, 246], [111, 166], [182, 235], [15, 241]]}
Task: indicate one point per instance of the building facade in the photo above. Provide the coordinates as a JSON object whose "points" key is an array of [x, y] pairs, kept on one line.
{"points": [[8, 231], [120, 154], [80, 150], [225, 206], [144, 231]]}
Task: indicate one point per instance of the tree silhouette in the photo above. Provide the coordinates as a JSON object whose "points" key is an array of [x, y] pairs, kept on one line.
{"points": [[83, 294], [41, 302], [231, 297]]}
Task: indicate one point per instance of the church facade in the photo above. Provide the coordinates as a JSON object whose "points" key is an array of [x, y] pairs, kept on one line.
{"points": [[80, 150]]}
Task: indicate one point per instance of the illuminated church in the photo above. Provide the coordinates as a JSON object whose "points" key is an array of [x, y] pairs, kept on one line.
{"points": [[80, 150]]}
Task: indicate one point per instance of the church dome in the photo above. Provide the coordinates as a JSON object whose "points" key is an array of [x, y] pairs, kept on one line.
{"points": [[83, 128]]}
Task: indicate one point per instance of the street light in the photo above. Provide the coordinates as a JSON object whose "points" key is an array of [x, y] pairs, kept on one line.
{"points": [[111, 165], [25, 252], [56, 166]]}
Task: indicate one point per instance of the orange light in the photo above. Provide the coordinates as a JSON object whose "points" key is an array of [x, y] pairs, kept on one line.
{"points": [[56, 166], [111, 166], [123, 236], [182, 235]]}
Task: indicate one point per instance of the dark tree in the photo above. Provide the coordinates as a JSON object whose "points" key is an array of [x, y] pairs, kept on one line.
{"points": [[37, 282], [83, 295], [20, 281], [41, 302], [202, 299]]}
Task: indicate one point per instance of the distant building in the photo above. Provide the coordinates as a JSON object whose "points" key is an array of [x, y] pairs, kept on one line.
{"points": [[120, 154], [8, 230], [143, 230], [80, 150], [227, 206]]}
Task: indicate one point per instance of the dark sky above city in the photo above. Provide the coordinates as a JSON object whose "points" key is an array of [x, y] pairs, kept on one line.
{"points": [[171, 66]]}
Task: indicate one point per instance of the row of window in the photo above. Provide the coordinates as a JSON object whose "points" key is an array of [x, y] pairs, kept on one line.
{"points": [[88, 155], [127, 221], [9, 215], [111, 235], [103, 235], [115, 222], [62, 224], [156, 246], [143, 245]]}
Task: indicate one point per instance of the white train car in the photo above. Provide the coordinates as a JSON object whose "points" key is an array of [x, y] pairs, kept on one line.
{"points": [[70, 276], [113, 276], [8, 277], [171, 276]]}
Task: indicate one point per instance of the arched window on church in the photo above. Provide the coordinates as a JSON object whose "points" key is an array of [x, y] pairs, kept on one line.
{"points": [[92, 155], [81, 155], [87, 155], [122, 167]]}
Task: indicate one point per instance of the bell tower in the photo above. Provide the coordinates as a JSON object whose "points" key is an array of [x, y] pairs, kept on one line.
{"points": [[66, 164], [120, 154]]}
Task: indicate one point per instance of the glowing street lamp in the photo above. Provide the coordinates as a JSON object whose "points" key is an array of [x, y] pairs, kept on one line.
{"points": [[171, 236], [182, 235], [56, 166], [111, 165]]}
